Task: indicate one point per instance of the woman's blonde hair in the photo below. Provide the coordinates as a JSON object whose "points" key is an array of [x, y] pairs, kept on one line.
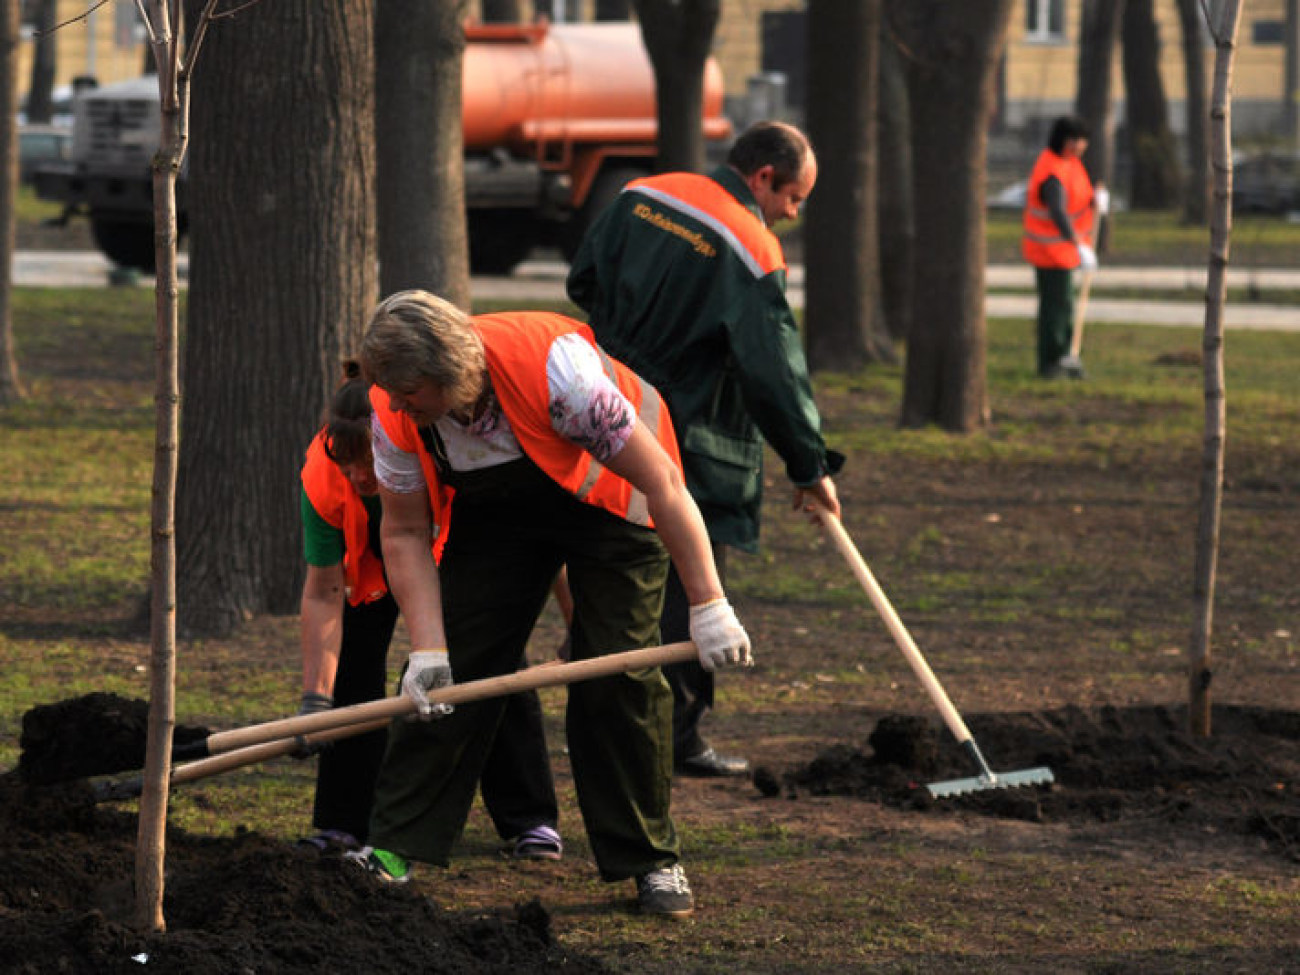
{"points": [[415, 336]]}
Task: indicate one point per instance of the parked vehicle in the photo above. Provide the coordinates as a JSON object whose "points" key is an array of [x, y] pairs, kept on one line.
{"points": [[557, 118], [39, 145], [1266, 182]]}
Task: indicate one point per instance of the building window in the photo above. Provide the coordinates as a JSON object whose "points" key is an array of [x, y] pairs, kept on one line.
{"points": [[1045, 21]]}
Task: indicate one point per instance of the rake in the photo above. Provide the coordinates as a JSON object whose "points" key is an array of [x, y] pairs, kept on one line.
{"points": [[987, 778]]}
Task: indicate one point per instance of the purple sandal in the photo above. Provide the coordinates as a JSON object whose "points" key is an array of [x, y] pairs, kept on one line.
{"points": [[538, 843]]}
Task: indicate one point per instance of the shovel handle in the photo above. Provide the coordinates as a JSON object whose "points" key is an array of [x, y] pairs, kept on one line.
{"points": [[530, 678], [896, 628], [1080, 309]]}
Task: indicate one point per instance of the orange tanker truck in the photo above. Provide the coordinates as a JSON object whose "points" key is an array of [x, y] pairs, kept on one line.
{"points": [[557, 117]]}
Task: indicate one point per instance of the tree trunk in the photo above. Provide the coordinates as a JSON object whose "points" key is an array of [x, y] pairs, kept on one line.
{"points": [[40, 90], [895, 196], [677, 35], [11, 389], [842, 314], [617, 10], [419, 52], [1098, 34], [1211, 486], [492, 12], [1154, 152], [282, 258], [1196, 198], [953, 50]]}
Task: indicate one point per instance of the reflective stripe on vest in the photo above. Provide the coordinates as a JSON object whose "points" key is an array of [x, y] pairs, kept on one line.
{"points": [[706, 201], [1042, 242], [340, 506]]}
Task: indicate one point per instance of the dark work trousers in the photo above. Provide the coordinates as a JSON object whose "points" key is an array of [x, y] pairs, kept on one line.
{"points": [[511, 529], [691, 684], [1055, 315], [345, 780], [516, 784]]}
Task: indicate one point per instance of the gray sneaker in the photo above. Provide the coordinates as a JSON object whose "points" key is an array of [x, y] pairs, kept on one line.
{"points": [[665, 892]]}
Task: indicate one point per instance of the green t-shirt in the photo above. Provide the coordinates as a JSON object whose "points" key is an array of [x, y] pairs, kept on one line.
{"points": [[322, 543]]}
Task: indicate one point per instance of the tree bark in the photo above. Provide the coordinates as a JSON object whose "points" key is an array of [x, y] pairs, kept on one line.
{"points": [[678, 35], [1098, 35], [1154, 152], [40, 89], [11, 389], [1196, 198], [895, 195], [492, 12], [419, 53], [952, 51], [1212, 454], [282, 258], [617, 10], [842, 316]]}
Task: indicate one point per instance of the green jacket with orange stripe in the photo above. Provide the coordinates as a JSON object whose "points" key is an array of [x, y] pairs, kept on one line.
{"points": [[684, 283]]}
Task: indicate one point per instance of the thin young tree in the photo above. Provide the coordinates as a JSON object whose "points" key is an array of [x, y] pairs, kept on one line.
{"points": [[1224, 32], [11, 389], [175, 62]]}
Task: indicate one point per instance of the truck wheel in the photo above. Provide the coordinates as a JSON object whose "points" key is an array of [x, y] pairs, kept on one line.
{"points": [[127, 243], [606, 188], [499, 239]]}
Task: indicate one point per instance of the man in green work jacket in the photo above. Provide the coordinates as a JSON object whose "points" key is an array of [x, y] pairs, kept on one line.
{"points": [[684, 281]]}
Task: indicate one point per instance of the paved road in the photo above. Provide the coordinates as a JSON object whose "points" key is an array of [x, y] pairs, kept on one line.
{"points": [[544, 280]]}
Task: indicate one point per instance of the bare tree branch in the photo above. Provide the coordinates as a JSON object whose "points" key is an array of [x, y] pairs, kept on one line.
{"points": [[234, 10], [148, 25], [201, 31], [81, 16]]}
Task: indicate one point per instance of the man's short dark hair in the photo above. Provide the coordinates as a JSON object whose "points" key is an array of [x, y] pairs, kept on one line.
{"points": [[1064, 129], [775, 144]]}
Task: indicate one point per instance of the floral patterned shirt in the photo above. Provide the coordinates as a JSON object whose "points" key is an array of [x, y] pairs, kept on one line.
{"points": [[586, 407]]}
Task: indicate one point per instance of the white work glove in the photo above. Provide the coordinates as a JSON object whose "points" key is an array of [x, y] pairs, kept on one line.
{"points": [[427, 670], [718, 635], [1087, 258], [1101, 200]]}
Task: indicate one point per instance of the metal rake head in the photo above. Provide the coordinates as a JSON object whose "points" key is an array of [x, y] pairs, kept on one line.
{"points": [[982, 783]]}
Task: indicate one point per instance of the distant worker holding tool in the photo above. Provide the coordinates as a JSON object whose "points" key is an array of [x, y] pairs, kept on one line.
{"points": [[348, 617], [517, 439], [1060, 212], [684, 280]]}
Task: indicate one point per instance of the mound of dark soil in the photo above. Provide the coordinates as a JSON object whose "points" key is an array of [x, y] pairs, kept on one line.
{"points": [[241, 904], [1110, 764], [95, 734]]}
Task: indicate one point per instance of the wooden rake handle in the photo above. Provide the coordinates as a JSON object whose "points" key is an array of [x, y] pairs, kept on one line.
{"points": [[531, 678], [1080, 309], [896, 628]]}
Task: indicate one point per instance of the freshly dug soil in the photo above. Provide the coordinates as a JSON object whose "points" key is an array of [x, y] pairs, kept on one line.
{"points": [[1110, 764], [241, 904]]}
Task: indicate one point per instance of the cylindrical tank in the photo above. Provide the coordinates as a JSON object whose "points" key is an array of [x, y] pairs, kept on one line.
{"points": [[562, 83]]}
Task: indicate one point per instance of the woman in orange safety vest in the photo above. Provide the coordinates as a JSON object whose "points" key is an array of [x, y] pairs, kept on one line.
{"points": [[1057, 238], [347, 623], [526, 449]]}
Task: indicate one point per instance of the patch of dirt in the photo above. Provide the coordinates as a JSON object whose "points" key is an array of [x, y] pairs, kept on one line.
{"points": [[1110, 765], [241, 904]]}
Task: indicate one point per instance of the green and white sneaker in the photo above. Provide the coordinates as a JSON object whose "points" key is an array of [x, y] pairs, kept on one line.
{"points": [[665, 892], [384, 865]]}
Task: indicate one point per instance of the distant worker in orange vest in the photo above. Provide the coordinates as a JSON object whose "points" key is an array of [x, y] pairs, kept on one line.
{"points": [[515, 437], [1060, 211], [348, 618]]}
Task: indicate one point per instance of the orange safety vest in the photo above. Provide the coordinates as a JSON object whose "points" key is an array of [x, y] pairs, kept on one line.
{"points": [[1042, 243], [517, 345], [705, 200], [340, 506]]}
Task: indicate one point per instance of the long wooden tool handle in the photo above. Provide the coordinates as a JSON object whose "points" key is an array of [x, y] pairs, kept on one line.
{"points": [[1080, 308], [896, 628], [528, 679]]}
